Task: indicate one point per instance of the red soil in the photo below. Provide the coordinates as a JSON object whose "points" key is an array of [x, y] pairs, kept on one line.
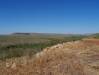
{"points": [[91, 41]]}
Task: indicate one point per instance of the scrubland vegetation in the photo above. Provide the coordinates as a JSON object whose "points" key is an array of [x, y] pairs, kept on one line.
{"points": [[29, 55], [17, 46]]}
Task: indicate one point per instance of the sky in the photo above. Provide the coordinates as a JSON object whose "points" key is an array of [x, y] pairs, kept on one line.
{"points": [[49, 16]]}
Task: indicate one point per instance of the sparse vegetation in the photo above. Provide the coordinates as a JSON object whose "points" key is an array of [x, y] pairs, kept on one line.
{"points": [[17, 46], [29, 55]]}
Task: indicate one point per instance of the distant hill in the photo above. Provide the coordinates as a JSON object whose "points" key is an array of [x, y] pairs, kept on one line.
{"points": [[20, 34], [45, 34], [95, 35]]}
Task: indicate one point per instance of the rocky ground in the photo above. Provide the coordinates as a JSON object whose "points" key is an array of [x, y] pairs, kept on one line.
{"points": [[71, 58]]}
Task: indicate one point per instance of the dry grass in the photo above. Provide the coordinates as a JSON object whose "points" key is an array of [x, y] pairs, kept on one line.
{"points": [[72, 58]]}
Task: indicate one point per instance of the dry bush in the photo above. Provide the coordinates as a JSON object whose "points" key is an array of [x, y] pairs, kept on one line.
{"points": [[72, 58]]}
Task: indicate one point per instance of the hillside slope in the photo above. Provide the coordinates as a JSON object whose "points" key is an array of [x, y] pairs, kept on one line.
{"points": [[71, 58]]}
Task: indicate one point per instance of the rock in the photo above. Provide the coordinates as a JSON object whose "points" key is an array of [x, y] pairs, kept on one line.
{"points": [[13, 66], [7, 65]]}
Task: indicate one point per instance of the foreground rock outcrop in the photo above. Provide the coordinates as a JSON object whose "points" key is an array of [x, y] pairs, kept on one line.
{"points": [[71, 58]]}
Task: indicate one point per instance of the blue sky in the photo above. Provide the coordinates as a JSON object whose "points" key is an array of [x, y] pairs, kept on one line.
{"points": [[49, 16]]}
